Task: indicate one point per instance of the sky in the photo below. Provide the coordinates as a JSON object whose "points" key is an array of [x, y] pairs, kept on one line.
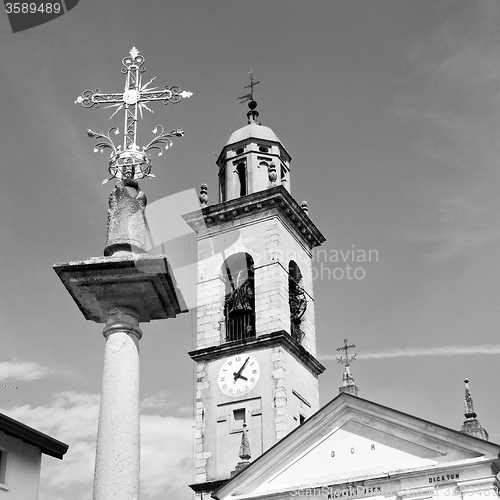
{"points": [[391, 113]]}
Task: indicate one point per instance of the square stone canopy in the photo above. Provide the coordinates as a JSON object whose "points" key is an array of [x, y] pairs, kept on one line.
{"points": [[143, 282]]}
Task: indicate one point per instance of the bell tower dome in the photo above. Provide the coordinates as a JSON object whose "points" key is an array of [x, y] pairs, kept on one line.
{"points": [[253, 159]]}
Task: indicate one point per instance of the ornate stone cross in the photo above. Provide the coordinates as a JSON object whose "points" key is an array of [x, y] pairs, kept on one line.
{"points": [[131, 162], [348, 359]]}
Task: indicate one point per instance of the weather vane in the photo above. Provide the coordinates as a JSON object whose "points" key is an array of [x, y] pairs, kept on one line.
{"points": [[248, 97], [132, 162], [348, 359]]}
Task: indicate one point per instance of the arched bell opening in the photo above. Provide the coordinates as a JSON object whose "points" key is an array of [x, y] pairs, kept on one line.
{"points": [[297, 301], [239, 303]]}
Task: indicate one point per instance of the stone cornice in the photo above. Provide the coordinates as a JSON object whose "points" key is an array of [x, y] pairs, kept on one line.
{"points": [[264, 341], [274, 197]]}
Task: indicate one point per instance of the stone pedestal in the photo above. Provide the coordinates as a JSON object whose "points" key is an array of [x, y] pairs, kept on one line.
{"points": [[126, 220], [121, 292]]}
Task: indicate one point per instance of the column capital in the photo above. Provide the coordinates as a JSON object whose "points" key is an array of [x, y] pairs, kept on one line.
{"points": [[122, 319]]}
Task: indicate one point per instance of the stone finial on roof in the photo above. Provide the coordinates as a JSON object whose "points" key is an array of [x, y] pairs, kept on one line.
{"points": [[471, 425], [348, 384], [245, 445], [203, 195], [272, 175], [469, 404], [244, 453]]}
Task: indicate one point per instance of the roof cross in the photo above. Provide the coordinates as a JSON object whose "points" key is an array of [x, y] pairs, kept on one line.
{"points": [[251, 85], [133, 99], [348, 359]]}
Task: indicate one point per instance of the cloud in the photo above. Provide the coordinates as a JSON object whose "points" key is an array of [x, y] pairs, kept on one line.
{"points": [[159, 401], [166, 447], [22, 370], [410, 352], [166, 457]]}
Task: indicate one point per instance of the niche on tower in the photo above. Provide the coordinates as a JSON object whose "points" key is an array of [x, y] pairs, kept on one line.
{"points": [[239, 304], [297, 300]]}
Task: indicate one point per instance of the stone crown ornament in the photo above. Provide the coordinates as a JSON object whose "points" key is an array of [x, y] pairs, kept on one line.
{"points": [[132, 162]]}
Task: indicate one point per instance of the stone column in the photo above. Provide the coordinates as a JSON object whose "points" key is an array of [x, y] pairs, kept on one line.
{"points": [[118, 436]]}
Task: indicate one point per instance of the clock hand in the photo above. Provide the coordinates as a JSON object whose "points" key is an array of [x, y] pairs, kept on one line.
{"points": [[240, 376], [237, 374]]}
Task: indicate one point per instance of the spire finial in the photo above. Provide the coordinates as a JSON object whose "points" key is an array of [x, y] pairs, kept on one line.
{"points": [[253, 114], [348, 384], [245, 445], [469, 404], [244, 453], [471, 425]]}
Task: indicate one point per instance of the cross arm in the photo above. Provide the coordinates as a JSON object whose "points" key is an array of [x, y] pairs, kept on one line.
{"points": [[91, 98], [167, 94]]}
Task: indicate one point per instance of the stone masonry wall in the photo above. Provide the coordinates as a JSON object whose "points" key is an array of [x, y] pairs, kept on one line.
{"points": [[201, 455], [280, 393]]}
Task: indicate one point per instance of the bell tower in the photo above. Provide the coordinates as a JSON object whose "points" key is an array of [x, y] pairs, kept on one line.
{"points": [[257, 372]]}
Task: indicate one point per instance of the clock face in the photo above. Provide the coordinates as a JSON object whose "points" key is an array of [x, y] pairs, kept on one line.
{"points": [[238, 375]]}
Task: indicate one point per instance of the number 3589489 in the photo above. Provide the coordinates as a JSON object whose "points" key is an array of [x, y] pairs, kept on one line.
{"points": [[33, 8]]}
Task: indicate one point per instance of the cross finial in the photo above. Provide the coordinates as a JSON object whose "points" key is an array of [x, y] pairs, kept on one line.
{"points": [[348, 384], [251, 85], [348, 359], [253, 114], [132, 162]]}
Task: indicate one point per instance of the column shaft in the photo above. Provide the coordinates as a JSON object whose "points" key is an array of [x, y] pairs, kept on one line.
{"points": [[118, 437]]}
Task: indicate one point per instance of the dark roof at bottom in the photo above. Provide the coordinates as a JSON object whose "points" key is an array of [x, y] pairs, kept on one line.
{"points": [[47, 444]]}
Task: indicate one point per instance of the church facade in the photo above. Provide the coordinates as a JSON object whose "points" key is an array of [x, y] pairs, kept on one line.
{"points": [[354, 448], [260, 432]]}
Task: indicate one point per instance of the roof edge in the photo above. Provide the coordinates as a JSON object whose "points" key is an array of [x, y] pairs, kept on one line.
{"points": [[48, 445]]}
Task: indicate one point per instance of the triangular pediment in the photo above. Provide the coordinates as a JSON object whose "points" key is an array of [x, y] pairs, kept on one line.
{"points": [[356, 449], [349, 440]]}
